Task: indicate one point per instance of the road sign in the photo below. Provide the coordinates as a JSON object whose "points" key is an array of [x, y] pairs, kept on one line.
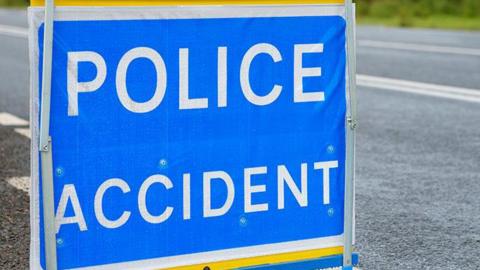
{"points": [[191, 135]]}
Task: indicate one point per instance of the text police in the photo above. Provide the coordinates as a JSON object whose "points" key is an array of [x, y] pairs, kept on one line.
{"points": [[74, 87]]}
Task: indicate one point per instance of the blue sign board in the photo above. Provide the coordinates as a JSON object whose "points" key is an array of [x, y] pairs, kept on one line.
{"points": [[187, 140]]}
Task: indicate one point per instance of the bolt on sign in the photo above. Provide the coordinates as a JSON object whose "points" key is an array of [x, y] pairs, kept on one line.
{"points": [[191, 136]]}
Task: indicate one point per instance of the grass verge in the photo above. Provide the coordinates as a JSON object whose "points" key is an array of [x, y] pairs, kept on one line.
{"points": [[435, 21]]}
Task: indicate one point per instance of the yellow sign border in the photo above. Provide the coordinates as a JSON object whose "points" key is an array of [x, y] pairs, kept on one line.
{"points": [[37, 3], [269, 259]]}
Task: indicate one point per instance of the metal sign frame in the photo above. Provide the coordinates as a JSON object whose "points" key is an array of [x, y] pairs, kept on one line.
{"points": [[351, 123], [45, 146], [347, 260]]}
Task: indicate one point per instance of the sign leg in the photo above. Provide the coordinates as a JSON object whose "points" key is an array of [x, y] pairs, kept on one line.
{"points": [[48, 209], [46, 143], [351, 124]]}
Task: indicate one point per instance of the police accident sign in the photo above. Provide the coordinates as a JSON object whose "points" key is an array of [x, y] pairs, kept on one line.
{"points": [[187, 135]]}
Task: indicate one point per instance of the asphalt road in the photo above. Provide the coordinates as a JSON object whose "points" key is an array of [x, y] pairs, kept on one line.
{"points": [[418, 156]]}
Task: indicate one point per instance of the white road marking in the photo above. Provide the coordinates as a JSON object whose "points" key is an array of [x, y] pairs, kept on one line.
{"points": [[24, 131], [20, 183], [13, 31], [9, 120], [435, 90], [418, 47]]}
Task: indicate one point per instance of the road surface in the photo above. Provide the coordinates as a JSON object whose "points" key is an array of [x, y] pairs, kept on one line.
{"points": [[418, 147]]}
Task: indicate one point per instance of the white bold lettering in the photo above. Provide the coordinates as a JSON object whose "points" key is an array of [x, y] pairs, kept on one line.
{"points": [[249, 94], [326, 166], [185, 102], [121, 80], [207, 179], [142, 197], [300, 72], [69, 194], [301, 195], [249, 189], [222, 76], [98, 203], [74, 86], [186, 196]]}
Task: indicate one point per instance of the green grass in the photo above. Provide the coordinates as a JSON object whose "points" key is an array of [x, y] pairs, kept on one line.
{"points": [[435, 21], [14, 3], [449, 14]]}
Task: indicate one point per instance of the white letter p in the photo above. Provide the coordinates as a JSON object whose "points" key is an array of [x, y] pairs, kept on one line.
{"points": [[74, 86]]}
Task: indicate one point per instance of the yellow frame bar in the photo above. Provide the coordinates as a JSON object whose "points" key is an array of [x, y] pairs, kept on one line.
{"points": [[36, 3], [269, 259]]}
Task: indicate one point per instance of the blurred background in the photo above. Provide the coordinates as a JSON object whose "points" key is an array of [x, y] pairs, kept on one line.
{"points": [[454, 14], [418, 139]]}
